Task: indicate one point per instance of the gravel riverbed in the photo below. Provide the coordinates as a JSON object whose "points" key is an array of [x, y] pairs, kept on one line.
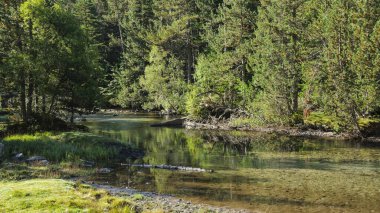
{"points": [[152, 202]]}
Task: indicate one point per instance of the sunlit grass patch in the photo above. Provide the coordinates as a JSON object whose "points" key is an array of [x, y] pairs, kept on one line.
{"points": [[58, 196], [71, 146]]}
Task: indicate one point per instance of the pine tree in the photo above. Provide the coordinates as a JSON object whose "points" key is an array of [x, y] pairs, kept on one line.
{"points": [[277, 62], [350, 86], [221, 75], [164, 81]]}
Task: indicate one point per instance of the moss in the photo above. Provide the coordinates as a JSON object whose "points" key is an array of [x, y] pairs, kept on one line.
{"points": [[54, 195]]}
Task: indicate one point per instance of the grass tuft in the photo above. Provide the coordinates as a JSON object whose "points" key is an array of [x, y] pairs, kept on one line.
{"points": [[54, 195], [71, 146]]}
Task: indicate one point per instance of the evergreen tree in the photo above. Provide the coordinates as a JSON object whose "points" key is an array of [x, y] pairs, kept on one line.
{"points": [[277, 62], [350, 86], [164, 81], [222, 80]]}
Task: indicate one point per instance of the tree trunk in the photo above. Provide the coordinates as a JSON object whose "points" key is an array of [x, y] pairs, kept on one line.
{"points": [[189, 58], [24, 114], [296, 80], [72, 107], [29, 109], [22, 78], [43, 107], [29, 106]]}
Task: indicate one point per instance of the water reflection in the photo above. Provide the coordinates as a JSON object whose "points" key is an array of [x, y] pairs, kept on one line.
{"points": [[253, 170]]}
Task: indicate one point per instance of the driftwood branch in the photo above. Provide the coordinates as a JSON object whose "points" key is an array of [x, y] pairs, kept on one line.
{"points": [[169, 167]]}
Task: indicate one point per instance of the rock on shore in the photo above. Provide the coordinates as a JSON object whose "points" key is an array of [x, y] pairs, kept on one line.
{"points": [[291, 131]]}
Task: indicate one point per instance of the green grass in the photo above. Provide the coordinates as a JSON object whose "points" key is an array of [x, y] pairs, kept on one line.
{"points": [[14, 172], [71, 146], [54, 195]]}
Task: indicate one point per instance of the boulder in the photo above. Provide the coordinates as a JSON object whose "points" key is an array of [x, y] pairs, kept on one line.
{"points": [[104, 170], [19, 157], [42, 163], [86, 163], [38, 161]]}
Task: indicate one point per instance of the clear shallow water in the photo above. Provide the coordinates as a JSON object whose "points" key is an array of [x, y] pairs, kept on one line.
{"points": [[254, 171]]}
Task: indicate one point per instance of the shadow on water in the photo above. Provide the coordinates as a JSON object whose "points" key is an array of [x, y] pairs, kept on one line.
{"points": [[253, 170]]}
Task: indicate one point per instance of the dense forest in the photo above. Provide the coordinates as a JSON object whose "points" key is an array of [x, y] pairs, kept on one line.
{"points": [[263, 62]]}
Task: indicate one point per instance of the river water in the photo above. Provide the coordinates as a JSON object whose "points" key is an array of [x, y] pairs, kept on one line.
{"points": [[254, 171]]}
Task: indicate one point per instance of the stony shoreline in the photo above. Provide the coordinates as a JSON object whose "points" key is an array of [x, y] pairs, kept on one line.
{"points": [[290, 131], [166, 203]]}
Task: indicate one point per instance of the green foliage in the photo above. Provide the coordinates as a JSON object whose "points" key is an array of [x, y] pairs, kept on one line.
{"points": [[276, 63], [221, 77], [53, 63], [164, 81], [325, 122], [262, 60]]}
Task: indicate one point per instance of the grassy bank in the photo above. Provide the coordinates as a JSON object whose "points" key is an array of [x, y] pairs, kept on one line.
{"points": [[67, 147], [52, 195], [28, 187], [65, 153]]}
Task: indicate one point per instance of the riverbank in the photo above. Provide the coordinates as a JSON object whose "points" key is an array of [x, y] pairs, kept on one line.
{"points": [[58, 195], [301, 131], [59, 163], [152, 202]]}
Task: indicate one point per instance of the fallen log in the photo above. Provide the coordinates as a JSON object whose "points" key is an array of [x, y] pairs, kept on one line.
{"points": [[169, 167]]}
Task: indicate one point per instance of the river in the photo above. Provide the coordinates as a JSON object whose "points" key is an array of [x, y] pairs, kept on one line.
{"points": [[254, 171]]}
